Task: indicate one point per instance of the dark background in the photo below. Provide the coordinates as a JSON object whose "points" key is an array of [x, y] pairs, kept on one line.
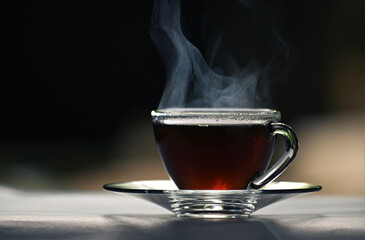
{"points": [[73, 73]]}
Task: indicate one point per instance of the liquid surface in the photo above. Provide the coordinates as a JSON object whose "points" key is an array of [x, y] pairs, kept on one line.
{"points": [[213, 157], [214, 116]]}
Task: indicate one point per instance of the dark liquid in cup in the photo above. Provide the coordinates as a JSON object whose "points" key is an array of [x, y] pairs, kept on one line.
{"points": [[214, 157]]}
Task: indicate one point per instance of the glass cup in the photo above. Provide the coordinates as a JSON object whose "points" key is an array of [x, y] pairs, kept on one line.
{"points": [[221, 148]]}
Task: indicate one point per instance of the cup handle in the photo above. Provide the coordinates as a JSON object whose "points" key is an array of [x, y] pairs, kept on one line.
{"points": [[284, 161]]}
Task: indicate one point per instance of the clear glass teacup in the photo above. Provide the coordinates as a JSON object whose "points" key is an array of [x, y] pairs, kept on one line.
{"points": [[222, 148]]}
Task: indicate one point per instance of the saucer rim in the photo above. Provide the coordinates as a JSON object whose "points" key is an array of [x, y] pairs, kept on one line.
{"points": [[114, 188]]}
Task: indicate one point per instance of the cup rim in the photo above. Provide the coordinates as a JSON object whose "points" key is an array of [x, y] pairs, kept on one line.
{"points": [[250, 111], [214, 116]]}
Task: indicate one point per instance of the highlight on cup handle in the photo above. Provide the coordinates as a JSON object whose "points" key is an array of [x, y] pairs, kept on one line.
{"points": [[284, 161]]}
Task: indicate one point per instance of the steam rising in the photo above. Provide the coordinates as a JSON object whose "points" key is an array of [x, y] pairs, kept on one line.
{"points": [[191, 82]]}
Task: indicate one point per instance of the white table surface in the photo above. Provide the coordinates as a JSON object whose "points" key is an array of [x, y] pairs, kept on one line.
{"points": [[104, 215]]}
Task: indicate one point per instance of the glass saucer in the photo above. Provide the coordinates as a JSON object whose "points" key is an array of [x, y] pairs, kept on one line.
{"points": [[211, 203]]}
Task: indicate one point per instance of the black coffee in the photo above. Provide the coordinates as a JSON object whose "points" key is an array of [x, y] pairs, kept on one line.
{"points": [[213, 157]]}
